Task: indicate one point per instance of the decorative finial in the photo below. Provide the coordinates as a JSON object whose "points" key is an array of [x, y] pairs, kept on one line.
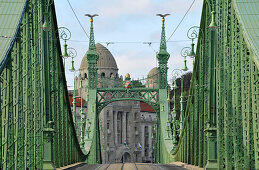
{"points": [[163, 39], [91, 41], [127, 75], [163, 16], [91, 16]]}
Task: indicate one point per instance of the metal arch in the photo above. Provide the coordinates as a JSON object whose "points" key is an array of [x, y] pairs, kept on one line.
{"points": [[106, 96], [101, 106]]}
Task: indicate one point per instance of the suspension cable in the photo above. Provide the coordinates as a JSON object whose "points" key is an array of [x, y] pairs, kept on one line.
{"points": [[78, 19], [181, 20]]}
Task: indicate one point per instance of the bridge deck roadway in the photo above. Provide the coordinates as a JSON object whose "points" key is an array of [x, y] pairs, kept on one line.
{"points": [[130, 166]]}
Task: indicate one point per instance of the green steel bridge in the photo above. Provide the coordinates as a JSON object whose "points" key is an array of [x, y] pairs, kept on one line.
{"points": [[220, 127]]}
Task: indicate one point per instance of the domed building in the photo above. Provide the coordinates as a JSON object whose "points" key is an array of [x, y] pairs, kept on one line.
{"points": [[107, 66], [107, 71], [152, 78], [126, 128]]}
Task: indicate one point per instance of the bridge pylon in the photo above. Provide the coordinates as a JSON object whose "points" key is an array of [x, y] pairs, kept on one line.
{"points": [[92, 115]]}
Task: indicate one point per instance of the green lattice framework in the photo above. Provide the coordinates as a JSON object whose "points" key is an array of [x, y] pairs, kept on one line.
{"points": [[231, 80], [37, 128], [98, 98]]}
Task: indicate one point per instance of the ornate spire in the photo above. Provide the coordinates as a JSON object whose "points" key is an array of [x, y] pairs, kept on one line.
{"points": [[92, 57], [91, 38], [163, 39], [163, 56], [163, 50]]}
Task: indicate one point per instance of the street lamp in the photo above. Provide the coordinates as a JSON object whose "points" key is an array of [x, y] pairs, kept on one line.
{"points": [[174, 130], [88, 129], [46, 27], [175, 87], [193, 34], [82, 142], [168, 129], [212, 4], [72, 53], [65, 35], [185, 53], [176, 73]]}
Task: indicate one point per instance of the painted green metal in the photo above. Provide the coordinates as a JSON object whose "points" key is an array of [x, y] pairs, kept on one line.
{"points": [[220, 124], [101, 97], [10, 16], [92, 58], [247, 16], [220, 128], [34, 97]]}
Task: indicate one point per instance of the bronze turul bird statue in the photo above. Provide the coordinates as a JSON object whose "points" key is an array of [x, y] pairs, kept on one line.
{"points": [[91, 16], [162, 15]]}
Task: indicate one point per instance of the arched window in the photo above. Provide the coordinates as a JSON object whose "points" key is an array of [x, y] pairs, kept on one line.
{"points": [[111, 75], [85, 76], [102, 75]]}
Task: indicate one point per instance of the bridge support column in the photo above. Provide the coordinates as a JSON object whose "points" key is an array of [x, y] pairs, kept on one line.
{"points": [[95, 150], [212, 163], [162, 139], [48, 149], [163, 143], [92, 58]]}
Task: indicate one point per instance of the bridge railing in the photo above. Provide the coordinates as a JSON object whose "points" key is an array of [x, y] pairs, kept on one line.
{"points": [[236, 92]]}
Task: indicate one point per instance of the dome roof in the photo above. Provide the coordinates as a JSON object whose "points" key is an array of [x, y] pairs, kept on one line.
{"points": [[127, 75], [153, 72], [106, 59], [152, 78]]}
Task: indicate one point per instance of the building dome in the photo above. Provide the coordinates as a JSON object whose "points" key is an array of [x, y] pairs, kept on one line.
{"points": [[127, 75], [106, 59], [152, 78], [153, 72]]}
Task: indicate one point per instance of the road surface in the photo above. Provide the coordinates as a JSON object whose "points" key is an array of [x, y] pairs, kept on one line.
{"points": [[129, 166]]}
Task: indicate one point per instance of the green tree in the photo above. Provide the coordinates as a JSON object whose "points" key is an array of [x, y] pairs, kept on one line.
{"points": [[136, 84], [186, 86]]}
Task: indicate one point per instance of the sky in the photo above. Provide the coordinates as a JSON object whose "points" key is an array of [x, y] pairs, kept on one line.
{"points": [[129, 24]]}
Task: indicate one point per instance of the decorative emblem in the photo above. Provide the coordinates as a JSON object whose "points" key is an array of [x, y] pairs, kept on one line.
{"points": [[128, 84]]}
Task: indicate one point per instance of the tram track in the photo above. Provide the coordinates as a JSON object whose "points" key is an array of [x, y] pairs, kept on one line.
{"points": [[107, 167], [130, 166], [136, 166], [122, 166], [99, 167]]}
